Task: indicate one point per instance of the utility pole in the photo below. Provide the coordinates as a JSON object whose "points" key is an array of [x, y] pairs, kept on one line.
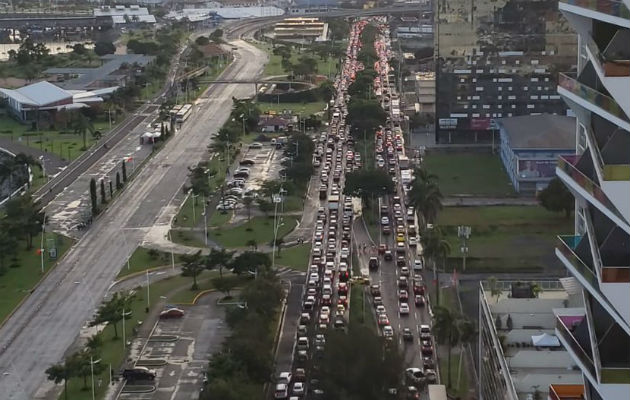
{"points": [[463, 232]]}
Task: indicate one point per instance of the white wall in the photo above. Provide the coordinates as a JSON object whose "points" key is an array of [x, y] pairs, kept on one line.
{"points": [[619, 296], [618, 192]]}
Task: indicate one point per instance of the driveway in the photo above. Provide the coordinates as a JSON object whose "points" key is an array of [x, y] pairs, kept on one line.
{"points": [[199, 333]]}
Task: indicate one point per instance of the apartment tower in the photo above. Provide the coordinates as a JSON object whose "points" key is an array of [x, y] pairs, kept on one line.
{"points": [[597, 335]]}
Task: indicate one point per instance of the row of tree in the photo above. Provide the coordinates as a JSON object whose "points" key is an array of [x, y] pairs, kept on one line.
{"points": [[245, 362]]}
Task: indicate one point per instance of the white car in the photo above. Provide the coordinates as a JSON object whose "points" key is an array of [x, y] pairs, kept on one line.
{"points": [[388, 332], [282, 391], [380, 310], [417, 264], [403, 309], [256, 145], [385, 221], [298, 388]]}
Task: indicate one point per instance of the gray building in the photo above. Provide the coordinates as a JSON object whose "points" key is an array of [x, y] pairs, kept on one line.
{"points": [[530, 147]]}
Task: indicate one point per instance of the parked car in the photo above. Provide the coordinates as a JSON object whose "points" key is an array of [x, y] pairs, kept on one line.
{"points": [[172, 313], [139, 374]]}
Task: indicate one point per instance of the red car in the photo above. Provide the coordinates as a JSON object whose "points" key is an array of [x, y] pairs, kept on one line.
{"points": [[427, 348], [172, 313], [342, 289], [420, 300], [343, 300], [418, 288], [381, 249], [403, 295]]}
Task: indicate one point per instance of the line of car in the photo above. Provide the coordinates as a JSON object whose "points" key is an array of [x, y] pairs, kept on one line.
{"points": [[325, 300], [399, 218]]}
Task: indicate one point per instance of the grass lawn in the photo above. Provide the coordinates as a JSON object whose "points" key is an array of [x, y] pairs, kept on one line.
{"points": [[17, 282], [38, 178], [470, 174], [259, 229], [457, 390], [295, 257], [188, 238], [185, 216], [305, 109], [112, 353], [293, 203], [65, 143], [143, 259], [219, 218], [360, 314], [504, 238], [274, 66]]}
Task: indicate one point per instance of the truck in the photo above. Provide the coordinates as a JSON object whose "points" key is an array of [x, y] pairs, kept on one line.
{"points": [[403, 161], [406, 176], [333, 202]]}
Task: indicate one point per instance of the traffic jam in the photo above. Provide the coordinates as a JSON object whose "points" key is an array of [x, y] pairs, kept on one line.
{"points": [[325, 302]]}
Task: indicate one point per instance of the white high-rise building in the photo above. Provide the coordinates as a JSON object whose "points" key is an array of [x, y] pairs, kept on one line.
{"points": [[597, 336]]}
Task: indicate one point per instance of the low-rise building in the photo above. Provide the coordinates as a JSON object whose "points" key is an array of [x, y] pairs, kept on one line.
{"points": [[117, 70], [42, 100], [530, 147], [519, 354], [301, 28], [425, 91], [122, 15]]}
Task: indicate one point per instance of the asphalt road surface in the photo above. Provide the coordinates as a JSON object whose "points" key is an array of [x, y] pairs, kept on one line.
{"points": [[47, 323]]}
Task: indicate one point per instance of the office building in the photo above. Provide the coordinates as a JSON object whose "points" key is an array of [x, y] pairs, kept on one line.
{"points": [[519, 354], [598, 253], [306, 29], [498, 59], [530, 146]]}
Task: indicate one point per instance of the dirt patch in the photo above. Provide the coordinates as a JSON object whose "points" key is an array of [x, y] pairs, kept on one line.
{"points": [[11, 83]]}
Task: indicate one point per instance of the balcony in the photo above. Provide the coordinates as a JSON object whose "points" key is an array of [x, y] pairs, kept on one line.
{"points": [[567, 164], [593, 100], [566, 392], [609, 7], [569, 328], [566, 246]]}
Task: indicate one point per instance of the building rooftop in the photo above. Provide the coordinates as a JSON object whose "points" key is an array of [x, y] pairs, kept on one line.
{"points": [[38, 94], [531, 366], [545, 131], [88, 76]]}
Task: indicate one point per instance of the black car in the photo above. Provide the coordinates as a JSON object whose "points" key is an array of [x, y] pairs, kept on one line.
{"points": [[407, 335], [138, 374]]}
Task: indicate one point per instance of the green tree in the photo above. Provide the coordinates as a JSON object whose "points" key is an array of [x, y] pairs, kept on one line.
{"points": [[224, 285], [82, 125], [436, 249], [193, 266], [368, 184], [445, 326], [103, 48], [365, 116], [111, 311], [23, 218], [93, 196], [60, 373], [199, 182], [8, 246], [124, 171], [248, 201], [79, 49], [557, 198], [250, 261], [218, 259], [359, 365], [103, 197], [425, 196], [202, 41]]}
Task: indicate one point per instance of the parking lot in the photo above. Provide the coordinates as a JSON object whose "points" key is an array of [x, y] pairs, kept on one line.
{"points": [[185, 344], [258, 163]]}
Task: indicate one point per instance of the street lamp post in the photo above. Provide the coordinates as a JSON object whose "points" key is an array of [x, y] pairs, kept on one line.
{"points": [[193, 196], [148, 290], [172, 254], [92, 363], [463, 232], [205, 222], [124, 314], [43, 161], [276, 199], [41, 247]]}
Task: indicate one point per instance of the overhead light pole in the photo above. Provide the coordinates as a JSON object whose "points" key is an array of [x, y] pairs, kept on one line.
{"points": [[463, 232], [92, 363], [124, 314]]}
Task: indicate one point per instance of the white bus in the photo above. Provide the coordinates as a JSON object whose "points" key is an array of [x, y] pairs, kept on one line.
{"points": [[183, 114]]}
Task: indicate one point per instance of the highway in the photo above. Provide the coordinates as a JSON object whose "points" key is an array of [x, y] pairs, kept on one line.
{"points": [[45, 326]]}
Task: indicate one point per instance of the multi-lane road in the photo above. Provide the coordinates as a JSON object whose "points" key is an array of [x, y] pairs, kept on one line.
{"points": [[47, 323]]}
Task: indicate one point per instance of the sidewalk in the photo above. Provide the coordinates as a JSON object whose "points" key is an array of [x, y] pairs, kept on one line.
{"points": [[488, 201]]}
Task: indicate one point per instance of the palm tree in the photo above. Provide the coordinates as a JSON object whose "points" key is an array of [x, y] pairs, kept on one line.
{"points": [[83, 125], [436, 248], [59, 373], [425, 196], [445, 326], [192, 266], [218, 259], [467, 333]]}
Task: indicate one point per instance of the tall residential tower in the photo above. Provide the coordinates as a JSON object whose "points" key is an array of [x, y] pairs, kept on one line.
{"points": [[597, 335]]}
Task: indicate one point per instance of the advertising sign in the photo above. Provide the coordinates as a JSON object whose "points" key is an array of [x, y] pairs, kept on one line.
{"points": [[534, 169], [447, 123], [480, 124]]}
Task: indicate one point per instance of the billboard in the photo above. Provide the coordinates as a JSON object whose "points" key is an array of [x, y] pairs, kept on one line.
{"points": [[447, 123], [480, 124], [535, 169]]}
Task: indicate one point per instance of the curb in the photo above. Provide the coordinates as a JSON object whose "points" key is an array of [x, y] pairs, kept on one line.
{"points": [[138, 273]]}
